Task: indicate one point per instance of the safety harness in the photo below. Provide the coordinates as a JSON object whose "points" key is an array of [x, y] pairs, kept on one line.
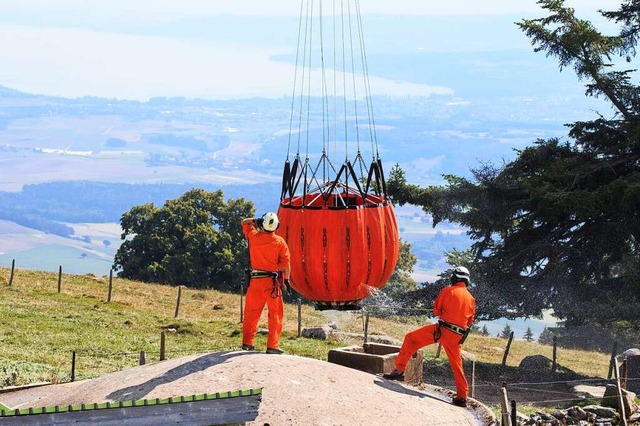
{"points": [[451, 327], [258, 273], [456, 329]]}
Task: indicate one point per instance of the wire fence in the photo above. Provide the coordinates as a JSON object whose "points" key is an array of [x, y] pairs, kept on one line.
{"points": [[160, 351]]}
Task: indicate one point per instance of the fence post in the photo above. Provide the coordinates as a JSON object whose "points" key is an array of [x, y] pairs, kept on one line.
{"points": [[504, 406], [13, 267], [366, 329], [514, 413], [59, 278], [623, 415], [241, 302], [178, 301], [612, 362], [142, 360], [162, 345], [506, 351], [110, 285], [554, 364], [473, 378], [73, 366], [299, 317]]}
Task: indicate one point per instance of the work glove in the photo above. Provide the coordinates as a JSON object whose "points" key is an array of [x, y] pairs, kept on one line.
{"points": [[258, 222], [287, 286]]}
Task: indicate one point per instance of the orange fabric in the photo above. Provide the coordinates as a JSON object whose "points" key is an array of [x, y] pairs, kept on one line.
{"points": [[339, 254], [455, 305], [458, 305], [258, 294], [268, 252]]}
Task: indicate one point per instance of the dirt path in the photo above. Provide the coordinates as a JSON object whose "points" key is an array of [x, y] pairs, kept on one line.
{"points": [[296, 391]]}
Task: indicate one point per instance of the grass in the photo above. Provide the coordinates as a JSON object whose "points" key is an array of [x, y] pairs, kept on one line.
{"points": [[41, 327]]}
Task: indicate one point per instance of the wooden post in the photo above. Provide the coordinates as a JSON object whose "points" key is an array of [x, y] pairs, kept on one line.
{"points": [[178, 301], [366, 329], [162, 346], [506, 351], [554, 364], [473, 378], [504, 406], [241, 302], [623, 374], [110, 285], [612, 362], [13, 267], [299, 317], [623, 415], [143, 358], [73, 366], [514, 413], [438, 350], [60, 279]]}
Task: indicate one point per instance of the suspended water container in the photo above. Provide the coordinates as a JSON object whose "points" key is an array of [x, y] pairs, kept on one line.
{"points": [[338, 220]]}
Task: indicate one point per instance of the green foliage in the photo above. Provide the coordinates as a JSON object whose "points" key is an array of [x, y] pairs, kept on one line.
{"points": [[506, 331], [546, 337], [194, 240], [400, 282], [528, 335], [558, 228], [14, 373]]}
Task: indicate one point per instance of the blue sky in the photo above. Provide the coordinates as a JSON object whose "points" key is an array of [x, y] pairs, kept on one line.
{"points": [[173, 9], [136, 49]]}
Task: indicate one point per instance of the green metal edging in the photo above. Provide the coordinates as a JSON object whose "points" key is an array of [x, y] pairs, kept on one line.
{"points": [[7, 412]]}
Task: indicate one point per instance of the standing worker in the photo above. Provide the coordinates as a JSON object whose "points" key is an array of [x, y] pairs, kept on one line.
{"points": [[270, 269], [456, 309]]}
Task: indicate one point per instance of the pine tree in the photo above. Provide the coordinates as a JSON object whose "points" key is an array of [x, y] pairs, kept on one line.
{"points": [[560, 224], [506, 331], [528, 335], [485, 330]]}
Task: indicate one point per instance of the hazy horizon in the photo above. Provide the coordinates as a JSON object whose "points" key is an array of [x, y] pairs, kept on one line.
{"points": [[221, 50]]}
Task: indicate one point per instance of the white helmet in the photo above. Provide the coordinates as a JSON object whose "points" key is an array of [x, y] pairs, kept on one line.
{"points": [[270, 222], [461, 273]]}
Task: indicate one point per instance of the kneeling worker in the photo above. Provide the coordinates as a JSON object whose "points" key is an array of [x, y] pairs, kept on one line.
{"points": [[456, 308], [270, 261]]}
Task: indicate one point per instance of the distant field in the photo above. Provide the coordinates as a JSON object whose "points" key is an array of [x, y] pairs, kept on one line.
{"points": [[34, 168], [86, 253]]}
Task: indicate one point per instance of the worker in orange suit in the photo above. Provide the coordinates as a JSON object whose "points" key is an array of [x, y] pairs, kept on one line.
{"points": [[455, 307], [269, 274]]}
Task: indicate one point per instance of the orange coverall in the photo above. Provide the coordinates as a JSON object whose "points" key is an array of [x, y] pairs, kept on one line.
{"points": [[454, 305], [268, 252]]}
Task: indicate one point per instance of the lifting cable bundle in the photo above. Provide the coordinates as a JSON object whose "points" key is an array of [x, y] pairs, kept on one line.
{"points": [[338, 221]]}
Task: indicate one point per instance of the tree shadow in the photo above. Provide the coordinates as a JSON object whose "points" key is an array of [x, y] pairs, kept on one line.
{"points": [[201, 363]]}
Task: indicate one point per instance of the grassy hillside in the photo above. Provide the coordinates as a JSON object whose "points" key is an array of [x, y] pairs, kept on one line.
{"points": [[39, 329]]}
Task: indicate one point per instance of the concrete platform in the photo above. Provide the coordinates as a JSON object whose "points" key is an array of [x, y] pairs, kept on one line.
{"points": [[377, 358]]}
